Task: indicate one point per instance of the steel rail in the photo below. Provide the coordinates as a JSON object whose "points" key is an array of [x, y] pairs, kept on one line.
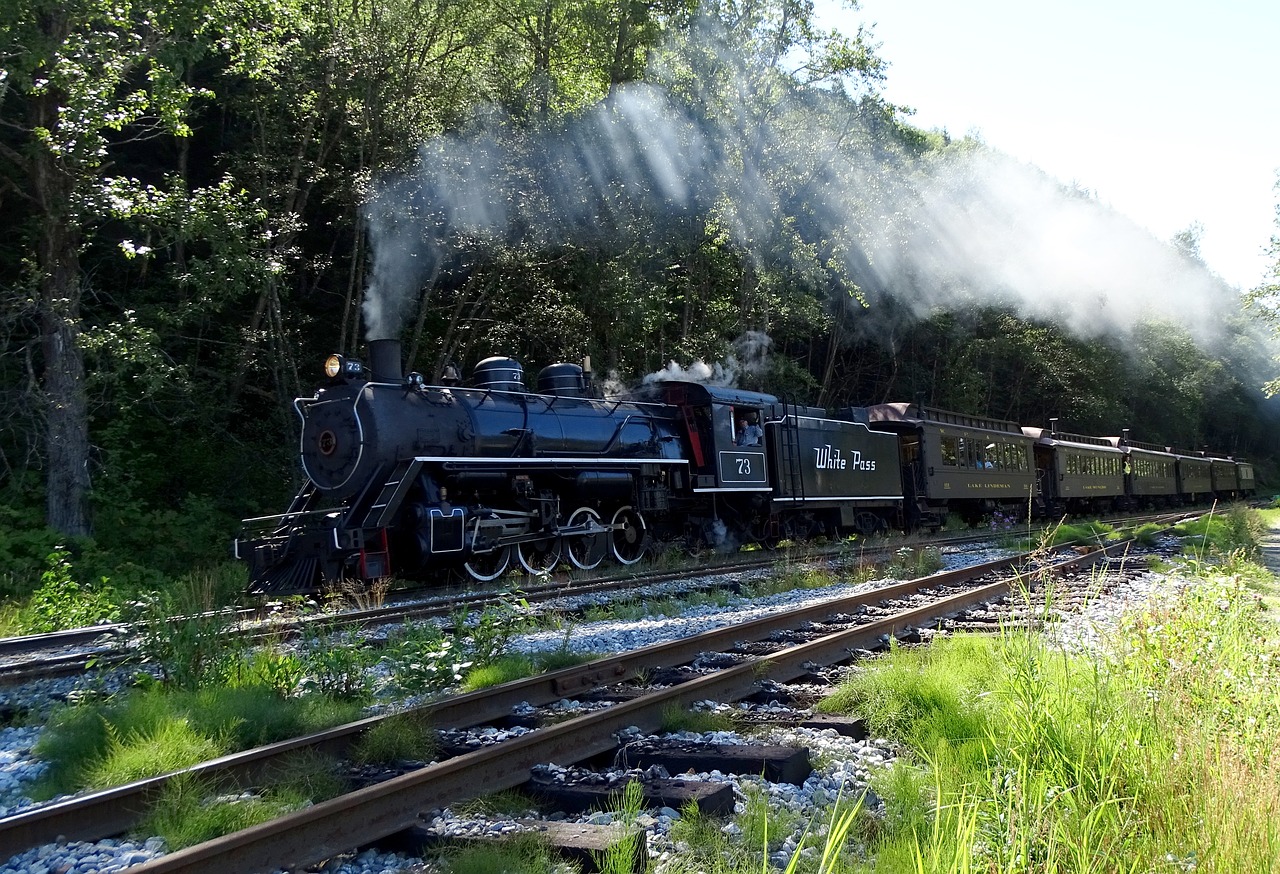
{"points": [[108, 654], [324, 830], [101, 814]]}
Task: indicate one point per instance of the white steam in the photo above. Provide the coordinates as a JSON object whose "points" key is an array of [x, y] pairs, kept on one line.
{"points": [[962, 227], [1002, 232], [749, 357]]}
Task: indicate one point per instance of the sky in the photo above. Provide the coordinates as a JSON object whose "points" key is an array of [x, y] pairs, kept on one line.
{"points": [[1168, 111]]}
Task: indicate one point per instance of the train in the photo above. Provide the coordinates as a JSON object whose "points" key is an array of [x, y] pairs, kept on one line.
{"points": [[421, 481]]}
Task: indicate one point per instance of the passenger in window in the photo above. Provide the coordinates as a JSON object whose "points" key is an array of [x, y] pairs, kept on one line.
{"points": [[749, 433]]}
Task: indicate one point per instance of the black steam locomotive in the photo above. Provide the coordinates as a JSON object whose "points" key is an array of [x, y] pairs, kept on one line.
{"points": [[417, 480]]}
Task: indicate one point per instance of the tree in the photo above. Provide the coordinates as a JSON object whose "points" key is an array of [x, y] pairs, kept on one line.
{"points": [[1265, 298], [85, 85]]}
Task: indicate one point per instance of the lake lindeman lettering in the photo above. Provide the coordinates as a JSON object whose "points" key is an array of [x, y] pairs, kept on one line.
{"points": [[829, 458]]}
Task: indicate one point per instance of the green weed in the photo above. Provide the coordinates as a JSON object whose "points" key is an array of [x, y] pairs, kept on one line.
{"points": [[1161, 758], [60, 602], [150, 732], [911, 562], [619, 857], [1216, 533], [501, 670], [1089, 533], [337, 666], [190, 812], [676, 718], [790, 578], [523, 855], [1148, 533], [402, 738]]}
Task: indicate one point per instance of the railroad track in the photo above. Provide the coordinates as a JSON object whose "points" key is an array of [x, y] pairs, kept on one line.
{"points": [[330, 827], [39, 656]]}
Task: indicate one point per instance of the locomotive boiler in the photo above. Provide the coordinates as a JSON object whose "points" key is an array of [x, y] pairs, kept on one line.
{"points": [[408, 479], [474, 477]]}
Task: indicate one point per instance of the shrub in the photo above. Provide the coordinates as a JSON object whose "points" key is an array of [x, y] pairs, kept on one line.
{"points": [[61, 603]]}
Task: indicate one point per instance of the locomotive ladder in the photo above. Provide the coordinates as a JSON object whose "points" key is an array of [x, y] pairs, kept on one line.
{"points": [[304, 499], [793, 477], [388, 500]]}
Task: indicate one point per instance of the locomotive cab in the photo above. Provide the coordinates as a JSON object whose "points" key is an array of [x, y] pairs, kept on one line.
{"points": [[723, 429]]}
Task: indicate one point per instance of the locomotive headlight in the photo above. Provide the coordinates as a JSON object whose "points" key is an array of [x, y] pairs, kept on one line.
{"points": [[337, 365]]}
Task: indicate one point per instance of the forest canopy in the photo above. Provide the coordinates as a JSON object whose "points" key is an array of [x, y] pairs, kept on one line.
{"points": [[206, 198]]}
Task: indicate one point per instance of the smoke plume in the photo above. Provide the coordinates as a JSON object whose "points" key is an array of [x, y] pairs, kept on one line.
{"points": [[749, 357], [790, 174]]}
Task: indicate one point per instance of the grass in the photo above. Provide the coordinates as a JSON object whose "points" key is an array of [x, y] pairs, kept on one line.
{"points": [[517, 666], [1159, 756], [1087, 532], [1217, 533], [676, 718], [402, 738], [911, 562], [632, 609], [152, 732], [1025, 759], [522, 855], [1148, 533], [790, 577], [191, 810]]}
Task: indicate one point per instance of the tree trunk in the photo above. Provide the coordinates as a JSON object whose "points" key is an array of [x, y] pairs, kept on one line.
{"points": [[619, 70], [66, 432]]}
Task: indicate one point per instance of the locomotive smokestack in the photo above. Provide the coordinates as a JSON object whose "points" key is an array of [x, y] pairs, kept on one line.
{"points": [[384, 360]]}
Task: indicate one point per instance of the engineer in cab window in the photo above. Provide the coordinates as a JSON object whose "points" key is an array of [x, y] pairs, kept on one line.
{"points": [[749, 433]]}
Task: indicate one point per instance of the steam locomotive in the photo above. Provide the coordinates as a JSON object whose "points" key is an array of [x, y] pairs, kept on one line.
{"points": [[415, 480]]}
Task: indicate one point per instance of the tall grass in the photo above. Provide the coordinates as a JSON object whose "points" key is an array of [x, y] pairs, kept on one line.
{"points": [[153, 731], [1159, 758]]}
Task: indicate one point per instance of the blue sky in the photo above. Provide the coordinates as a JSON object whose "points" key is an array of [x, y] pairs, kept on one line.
{"points": [[1169, 111]]}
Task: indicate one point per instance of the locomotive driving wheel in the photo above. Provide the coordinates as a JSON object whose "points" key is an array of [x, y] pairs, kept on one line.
{"points": [[539, 556], [586, 551], [487, 566], [628, 540]]}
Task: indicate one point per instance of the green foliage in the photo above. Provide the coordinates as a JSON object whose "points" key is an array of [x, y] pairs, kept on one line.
{"points": [[1148, 533], [515, 666], [1037, 760], [502, 670], [1217, 534], [186, 649], [421, 659], [525, 855], [1086, 533], [921, 695], [268, 668], [789, 578], [191, 811], [145, 752], [337, 666], [210, 164], [620, 856], [911, 562], [25, 545], [484, 636], [149, 732], [402, 738], [677, 718], [61, 603]]}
